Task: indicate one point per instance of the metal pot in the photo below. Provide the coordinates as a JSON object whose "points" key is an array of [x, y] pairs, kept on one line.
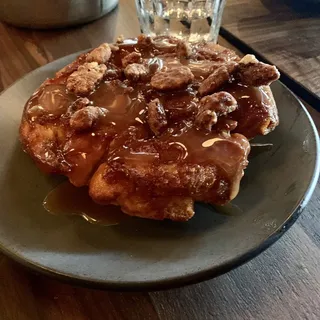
{"points": [[53, 13]]}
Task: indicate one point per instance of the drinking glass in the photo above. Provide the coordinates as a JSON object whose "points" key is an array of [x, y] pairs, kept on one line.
{"points": [[191, 20]]}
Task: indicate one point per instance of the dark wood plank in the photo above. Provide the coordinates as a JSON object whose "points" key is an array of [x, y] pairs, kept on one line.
{"points": [[276, 285], [27, 296], [24, 50], [282, 283], [286, 32]]}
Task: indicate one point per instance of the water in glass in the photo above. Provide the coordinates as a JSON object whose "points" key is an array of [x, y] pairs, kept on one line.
{"points": [[192, 20]]}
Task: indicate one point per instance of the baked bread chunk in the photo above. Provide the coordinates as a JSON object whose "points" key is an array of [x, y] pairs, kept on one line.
{"points": [[152, 124]]}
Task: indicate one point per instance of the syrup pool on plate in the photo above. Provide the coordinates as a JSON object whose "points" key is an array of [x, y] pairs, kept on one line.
{"points": [[67, 199]]}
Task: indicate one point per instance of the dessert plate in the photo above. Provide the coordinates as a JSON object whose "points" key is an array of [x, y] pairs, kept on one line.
{"points": [[141, 254]]}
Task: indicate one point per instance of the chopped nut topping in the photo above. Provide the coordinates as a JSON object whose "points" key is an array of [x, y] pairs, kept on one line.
{"points": [[73, 66], [215, 52], [144, 40], [80, 103], [116, 85], [84, 80], [120, 39], [101, 54], [226, 125], [257, 73], [172, 79], [206, 119], [216, 65], [112, 73], [130, 121], [136, 72], [154, 67], [221, 102], [213, 106], [133, 57], [216, 79], [207, 54], [156, 117], [248, 58], [114, 48], [84, 119], [184, 49]]}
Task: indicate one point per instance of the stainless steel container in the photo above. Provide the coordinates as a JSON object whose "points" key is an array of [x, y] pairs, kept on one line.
{"points": [[53, 13]]}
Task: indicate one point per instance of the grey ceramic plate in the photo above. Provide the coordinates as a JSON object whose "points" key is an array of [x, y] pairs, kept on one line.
{"points": [[143, 254]]}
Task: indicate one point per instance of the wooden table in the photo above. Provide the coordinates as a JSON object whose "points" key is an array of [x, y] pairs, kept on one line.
{"points": [[283, 32], [282, 283]]}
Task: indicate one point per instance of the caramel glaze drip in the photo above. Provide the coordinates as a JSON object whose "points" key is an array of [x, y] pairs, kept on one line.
{"points": [[67, 199], [125, 105]]}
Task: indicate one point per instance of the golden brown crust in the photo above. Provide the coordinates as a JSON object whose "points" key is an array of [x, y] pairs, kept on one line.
{"points": [[138, 204], [126, 121], [273, 113]]}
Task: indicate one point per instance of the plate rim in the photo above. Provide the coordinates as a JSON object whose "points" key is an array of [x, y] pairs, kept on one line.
{"points": [[194, 277]]}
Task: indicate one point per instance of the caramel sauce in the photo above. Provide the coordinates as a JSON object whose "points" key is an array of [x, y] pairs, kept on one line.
{"points": [[229, 209], [254, 105], [200, 148], [51, 100], [67, 200], [125, 105]]}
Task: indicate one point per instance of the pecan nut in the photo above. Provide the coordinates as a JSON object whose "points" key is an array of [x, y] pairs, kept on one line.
{"points": [[184, 49], [206, 119], [84, 80], [144, 40], [132, 57], [78, 104], [213, 106], [172, 78], [215, 52], [251, 72], [221, 102], [84, 119], [136, 72], [73, 66], [100, 54], [217, 78], [156, 117], [120, 39]]}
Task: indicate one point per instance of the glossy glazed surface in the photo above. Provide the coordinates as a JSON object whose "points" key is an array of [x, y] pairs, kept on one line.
{"points": [[152, 157], [149, 254]]}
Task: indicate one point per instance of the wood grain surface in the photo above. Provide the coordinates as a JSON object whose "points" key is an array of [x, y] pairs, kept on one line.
{"points": [[286, 32], [281, 283]]}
